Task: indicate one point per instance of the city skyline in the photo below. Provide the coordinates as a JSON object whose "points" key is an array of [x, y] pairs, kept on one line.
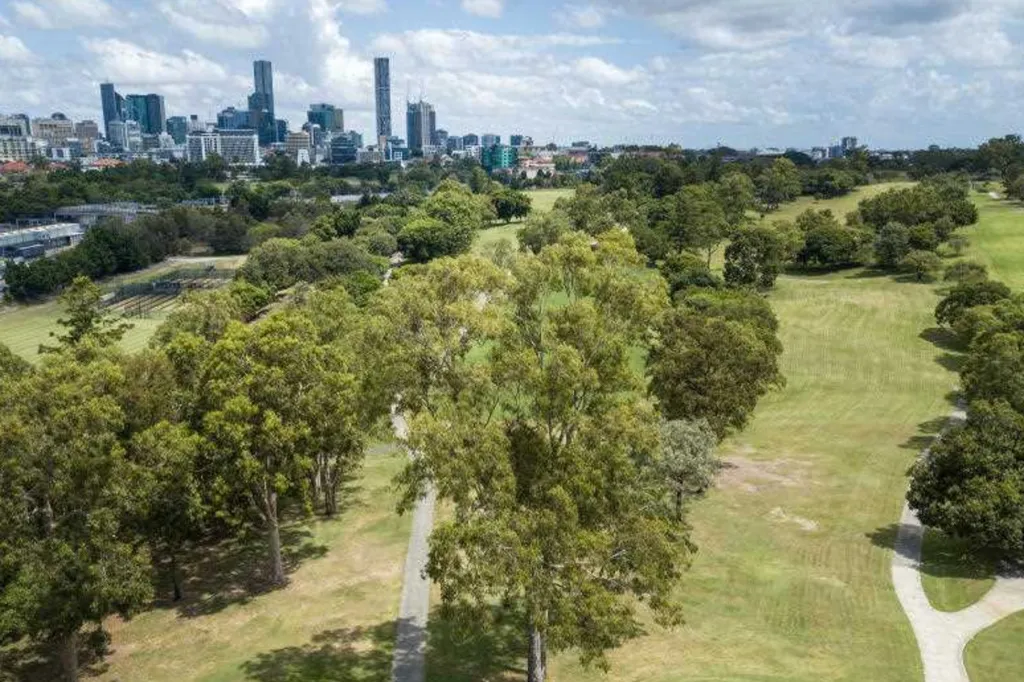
{"points": [[903, 74]]}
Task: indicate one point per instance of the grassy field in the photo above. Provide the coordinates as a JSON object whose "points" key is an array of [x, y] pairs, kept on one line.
{"points": [[543, 202], [24, 328], [840, 207], [996, 655], [544, 199], [792, 581], [334, 621]]}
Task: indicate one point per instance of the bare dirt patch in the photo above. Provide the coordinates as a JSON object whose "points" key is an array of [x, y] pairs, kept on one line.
{"points": [[752, 476], [805, 524]]}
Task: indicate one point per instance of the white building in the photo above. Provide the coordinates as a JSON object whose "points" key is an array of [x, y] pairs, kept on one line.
{"points": [[236, 147], [56, 131], [19, 149]]}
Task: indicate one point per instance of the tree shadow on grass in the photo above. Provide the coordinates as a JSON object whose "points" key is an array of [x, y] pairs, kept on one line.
{"points": [[234, 571], [927, 433], [941, 555], [32, 661], [953, 356], [475, 647], [359, 654]]}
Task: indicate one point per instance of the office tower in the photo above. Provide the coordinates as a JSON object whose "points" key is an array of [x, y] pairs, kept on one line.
{"points": [[298, 145], [233, 119], [263, 76], [330, 118], [849, 145], [420, 125], [345, 148], [261, 103], [382, 90], [177, 128], [489, 140], [281, 128], [455, 144], [156, 115], [147, 111], [113, 106], [126, 135], [470, 140], [440, 139]]}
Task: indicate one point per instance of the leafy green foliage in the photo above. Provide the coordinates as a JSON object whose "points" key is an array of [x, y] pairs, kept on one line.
{"points": [[778, 184], [756, 256], [827, 244], [924, 266], [717, 355], [969, 295], [542, 230], [892, 245], [510, 204], [424, 239], [688, 458], [86, 318], [684, 270], [280, 263], [971, 485]]}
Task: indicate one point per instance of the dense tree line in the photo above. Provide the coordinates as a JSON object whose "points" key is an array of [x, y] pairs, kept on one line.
{"points": [[970, 486]]}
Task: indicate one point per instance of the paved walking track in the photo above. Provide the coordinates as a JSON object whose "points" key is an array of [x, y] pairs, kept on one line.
{"points": [[943, 636], [409, 664]]}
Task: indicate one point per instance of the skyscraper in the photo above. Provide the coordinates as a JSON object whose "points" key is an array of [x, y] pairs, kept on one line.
{"points": [[177, 128], [156, 115], [421, 122], [263, 76], [382, 89], [112, 106], [261, 102]]}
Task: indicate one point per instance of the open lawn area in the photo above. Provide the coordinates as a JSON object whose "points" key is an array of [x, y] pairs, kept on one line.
{"points": [[792, 580], [544, 199], [24, 328], [840, 207], [334, 621]]}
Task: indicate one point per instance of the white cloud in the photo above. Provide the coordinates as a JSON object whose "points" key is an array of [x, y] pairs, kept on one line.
{"points": [[639, 106], [601, 73], [344, 75], [484, 8], [4, 22], [582, 16], [124, 62], [13, 51], [254, 9], [364, 7], [66, 14], [236, 35]]}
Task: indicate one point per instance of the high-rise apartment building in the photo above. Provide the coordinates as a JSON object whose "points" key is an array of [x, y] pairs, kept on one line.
{"points": [[489, 140], [382, 91], [471, 140], [849, 145], [330, 118], [499, 157], [421, 124], [238, 147]]}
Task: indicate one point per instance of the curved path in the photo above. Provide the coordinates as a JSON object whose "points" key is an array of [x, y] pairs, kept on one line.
{"points": [[943, 636], [409, 663]]}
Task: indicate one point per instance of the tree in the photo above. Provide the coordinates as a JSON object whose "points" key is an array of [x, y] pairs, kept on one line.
{"points": [[510, 204], [756, 256], [67, 558], [714, 362], [736, 194], [969, 295], [424, 239], [688, 458], [683, 270], [695, 220], [924, 266], [1006, 155], [892, 245], [970, 486], [457, 207], [86, 317], [167, 504], [258, 389], [778, 184], [542, 230], [994, 369], [549, 457]]}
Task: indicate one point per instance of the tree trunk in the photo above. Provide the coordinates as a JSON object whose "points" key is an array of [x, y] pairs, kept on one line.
{"points": [[276, 562], [537, 659], [175, 578], [679, 504], [331, 499], [69, 657]]}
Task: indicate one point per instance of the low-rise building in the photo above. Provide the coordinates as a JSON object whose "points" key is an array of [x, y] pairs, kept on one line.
{"points": [[237, 147], [20, 149]]}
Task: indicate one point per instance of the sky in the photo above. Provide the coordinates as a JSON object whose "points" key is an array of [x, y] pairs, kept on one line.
{"points": [[746, 73]]}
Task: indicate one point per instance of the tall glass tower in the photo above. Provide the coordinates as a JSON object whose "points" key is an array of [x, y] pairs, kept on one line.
{"points": [[263, 76], [382, 89]]}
